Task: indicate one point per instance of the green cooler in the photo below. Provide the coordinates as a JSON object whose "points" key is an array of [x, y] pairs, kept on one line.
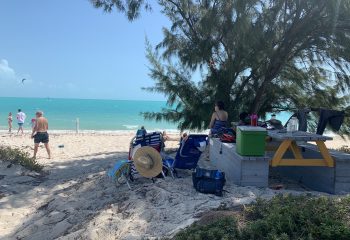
{"points": [[251, 141]]}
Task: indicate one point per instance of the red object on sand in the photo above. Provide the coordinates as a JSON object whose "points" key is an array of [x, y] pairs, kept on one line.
{"points": [[277, 187]]}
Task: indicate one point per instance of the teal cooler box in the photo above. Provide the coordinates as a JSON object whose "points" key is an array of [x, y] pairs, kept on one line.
{"points": [[250, 141]]}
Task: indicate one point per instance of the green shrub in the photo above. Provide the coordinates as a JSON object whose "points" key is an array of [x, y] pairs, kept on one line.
{"points": [[17, 156], [225, 229], [297, 217], [283, 217]]}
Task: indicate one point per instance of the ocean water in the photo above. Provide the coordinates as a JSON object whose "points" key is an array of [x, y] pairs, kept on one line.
{"points": [[93, 114], [108, 115]]}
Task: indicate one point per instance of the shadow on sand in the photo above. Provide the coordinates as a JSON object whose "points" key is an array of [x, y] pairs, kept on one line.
{"points": [[66, 197], [77, 200]]}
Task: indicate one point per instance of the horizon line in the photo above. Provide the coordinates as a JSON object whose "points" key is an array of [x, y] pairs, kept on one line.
{"points": [[72, 98]]}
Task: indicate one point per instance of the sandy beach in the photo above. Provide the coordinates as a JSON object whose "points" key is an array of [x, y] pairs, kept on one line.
{"points": [[74, 198]]}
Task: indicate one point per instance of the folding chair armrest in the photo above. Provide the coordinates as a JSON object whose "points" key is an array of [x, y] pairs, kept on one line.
{"points": [[181, 148]]}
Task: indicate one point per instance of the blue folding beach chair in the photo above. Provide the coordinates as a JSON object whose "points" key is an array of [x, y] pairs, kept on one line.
{"points": [[123, 171], [188, 154], [120, 171]]}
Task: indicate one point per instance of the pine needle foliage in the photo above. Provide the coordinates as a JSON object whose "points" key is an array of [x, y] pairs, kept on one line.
{"points": [[130, 7], [255, 55], [282, 217]]}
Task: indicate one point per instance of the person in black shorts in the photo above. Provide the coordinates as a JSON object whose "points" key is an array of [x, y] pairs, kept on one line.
{"points": [[40, 134], [41, 137]]}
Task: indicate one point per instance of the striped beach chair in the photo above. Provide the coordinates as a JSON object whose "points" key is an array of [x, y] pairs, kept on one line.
{"points": [[153, 139]]}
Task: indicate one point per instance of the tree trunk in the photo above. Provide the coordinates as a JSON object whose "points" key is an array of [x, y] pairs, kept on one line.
{"points": [[255, 107], [272, 73]]}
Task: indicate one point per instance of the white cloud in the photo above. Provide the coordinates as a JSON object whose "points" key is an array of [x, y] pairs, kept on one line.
{"points": [[6, 72], [9, 76]]}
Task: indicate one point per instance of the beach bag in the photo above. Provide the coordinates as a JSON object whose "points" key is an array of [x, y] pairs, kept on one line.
{"points": [[208, 181], [227, 138], [228, 135]]}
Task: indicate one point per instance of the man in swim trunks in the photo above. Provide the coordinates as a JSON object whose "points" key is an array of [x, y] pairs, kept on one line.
{"points": [[40, 134]]}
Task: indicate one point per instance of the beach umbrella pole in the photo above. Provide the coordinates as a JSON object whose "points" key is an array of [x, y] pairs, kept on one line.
{"points": [[77, 125]]}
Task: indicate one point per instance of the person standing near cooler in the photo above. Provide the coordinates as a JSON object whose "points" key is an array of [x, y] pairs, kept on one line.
{"points": [[21, 117], [218, 118]]}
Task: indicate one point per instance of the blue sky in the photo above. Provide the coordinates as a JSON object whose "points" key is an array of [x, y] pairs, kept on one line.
{"points": [[69, 49]]}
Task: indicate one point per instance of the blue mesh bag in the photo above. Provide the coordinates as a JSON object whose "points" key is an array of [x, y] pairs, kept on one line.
{"points": [[208, 181]]}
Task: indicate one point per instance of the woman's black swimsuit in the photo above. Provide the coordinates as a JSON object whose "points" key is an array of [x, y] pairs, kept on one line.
{"points": [[218, 125]]}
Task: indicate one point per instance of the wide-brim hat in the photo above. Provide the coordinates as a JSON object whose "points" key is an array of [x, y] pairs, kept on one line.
{"points": [[148, 162]]}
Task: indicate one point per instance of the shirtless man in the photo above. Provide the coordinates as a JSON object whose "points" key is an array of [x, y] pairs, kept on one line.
{"points": [[40, 133]]}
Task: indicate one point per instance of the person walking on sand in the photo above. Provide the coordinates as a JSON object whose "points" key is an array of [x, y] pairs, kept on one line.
{"points": [[21, 117], [40, 134], [33, 122], [9, 121]]}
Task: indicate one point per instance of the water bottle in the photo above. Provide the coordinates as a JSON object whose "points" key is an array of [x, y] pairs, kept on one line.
{"points": [[289, 126], [295, 123]]}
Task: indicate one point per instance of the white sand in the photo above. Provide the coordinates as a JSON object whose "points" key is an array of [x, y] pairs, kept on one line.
{"points": [[76, 200], [338, 142]]}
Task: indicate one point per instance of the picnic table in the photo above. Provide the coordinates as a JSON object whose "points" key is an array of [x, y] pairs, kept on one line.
{"points": [[288, 141]]}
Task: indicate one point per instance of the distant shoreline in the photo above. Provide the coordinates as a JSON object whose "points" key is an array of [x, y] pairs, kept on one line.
{"points": [[102, 115], [116, 132], [132, 131]]}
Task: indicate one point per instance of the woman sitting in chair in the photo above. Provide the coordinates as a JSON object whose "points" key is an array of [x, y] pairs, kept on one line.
{"points": [[218, 118]]}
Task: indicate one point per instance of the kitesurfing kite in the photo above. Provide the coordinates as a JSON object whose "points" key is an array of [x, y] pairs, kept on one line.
{"points": [[23, 80]]}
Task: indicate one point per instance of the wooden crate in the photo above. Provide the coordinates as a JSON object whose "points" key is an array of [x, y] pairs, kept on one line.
{"points": [[240, 170]]}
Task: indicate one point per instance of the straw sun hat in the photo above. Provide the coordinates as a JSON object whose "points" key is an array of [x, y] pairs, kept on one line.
{"points": [[148, 162]]}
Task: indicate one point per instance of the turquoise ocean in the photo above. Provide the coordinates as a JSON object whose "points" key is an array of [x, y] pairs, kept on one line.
{"points": [[93, 114]]}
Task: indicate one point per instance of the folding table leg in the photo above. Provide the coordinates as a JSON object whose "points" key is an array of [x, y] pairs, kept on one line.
{"points": [[280, 152], [325, 153], [295, 150]]}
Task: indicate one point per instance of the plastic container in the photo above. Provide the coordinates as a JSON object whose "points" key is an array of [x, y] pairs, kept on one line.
{"points": [[253, 119], [250, 141], [294, 123]]}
